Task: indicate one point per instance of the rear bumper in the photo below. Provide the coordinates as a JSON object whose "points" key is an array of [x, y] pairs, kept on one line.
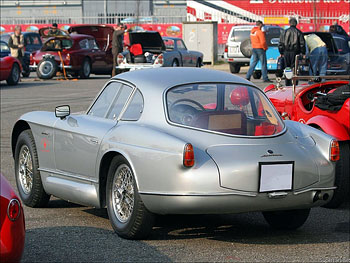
{"points": [[224, 203], [138, 66], [60, 66]]}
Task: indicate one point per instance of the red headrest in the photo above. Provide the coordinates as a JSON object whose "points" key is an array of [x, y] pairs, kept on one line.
{"points": [[239, 96]]}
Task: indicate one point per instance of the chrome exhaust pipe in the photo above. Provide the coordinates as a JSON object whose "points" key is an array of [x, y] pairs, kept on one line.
{"points": [[320, 196]]}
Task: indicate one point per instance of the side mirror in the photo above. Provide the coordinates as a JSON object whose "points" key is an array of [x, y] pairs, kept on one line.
{"points": [[62, 111]]}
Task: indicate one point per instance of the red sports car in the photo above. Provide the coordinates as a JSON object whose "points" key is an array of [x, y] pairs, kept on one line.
{"points": [[324, 106], [12, 233], [10, 67], [75, 54]]}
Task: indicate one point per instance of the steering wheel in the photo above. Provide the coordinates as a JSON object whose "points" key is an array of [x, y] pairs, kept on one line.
{"points": [[188, 100], [183, 113]]}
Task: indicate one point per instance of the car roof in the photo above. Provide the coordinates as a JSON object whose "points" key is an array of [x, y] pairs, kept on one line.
{"points": [[72, 36], [162, 78], [172, 38]]}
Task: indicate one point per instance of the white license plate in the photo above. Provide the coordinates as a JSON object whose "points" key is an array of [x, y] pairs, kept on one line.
{"points": [[272, 61], [276, 176], [233, 50]]}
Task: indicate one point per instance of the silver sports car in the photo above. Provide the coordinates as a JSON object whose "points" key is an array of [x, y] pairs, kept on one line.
{"points": [[175, 141]]}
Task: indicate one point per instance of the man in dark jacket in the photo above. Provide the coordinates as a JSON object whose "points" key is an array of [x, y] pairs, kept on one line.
{"points": [[117, 45], [291, 43]]}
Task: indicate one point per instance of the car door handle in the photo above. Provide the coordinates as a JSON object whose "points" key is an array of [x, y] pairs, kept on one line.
{"points": [[94, 141]]}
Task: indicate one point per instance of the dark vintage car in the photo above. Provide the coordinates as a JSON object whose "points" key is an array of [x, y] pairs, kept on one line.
{"points": [[338, 55], [147, 49], [10, 67], [32, 40]]}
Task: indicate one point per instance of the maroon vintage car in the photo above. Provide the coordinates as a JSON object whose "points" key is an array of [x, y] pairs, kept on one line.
{"points": [[12, 234], [75, 54]]}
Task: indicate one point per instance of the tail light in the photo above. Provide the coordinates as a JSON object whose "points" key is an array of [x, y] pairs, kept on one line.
{"points": [[226, 48], [159, 60], [335, 151], [31, 59], [120, 58], [13, 209], [188, 159], [67, 62]]}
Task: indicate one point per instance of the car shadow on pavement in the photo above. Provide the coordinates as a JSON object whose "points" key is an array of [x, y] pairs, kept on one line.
{"points": [[27, 84], [85, 244]]}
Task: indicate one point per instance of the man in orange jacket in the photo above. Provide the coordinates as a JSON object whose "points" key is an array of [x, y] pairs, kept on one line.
{"points": [[257, 37]]}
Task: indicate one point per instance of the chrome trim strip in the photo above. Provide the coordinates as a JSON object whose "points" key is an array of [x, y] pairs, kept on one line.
{"points": [[315, 189], [199, 194], [65, 174]]}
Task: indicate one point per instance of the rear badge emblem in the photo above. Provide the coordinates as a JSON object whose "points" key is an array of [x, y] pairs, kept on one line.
{"points": [[270, 151]]}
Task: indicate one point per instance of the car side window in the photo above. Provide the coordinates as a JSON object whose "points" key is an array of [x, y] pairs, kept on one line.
{"points": [[35, 40], [92, 44], [119, 102], [135, 108], [84, 44], [180, 45], [27, 40], [105, 99]]}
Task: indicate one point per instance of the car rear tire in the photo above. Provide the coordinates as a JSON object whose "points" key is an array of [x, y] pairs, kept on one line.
{"points": [[287, 220], [85, 70], [128, 215], [28, 179], [47, 68], [14, 75], [341, 194], [257, 74], [234, 68], [246, 48]]}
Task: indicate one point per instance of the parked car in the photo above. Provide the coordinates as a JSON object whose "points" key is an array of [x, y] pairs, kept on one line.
{"points": [[10, 67], [175, 141], [12, 231], [338, 55], [147, 49], [32, 40], [324, 106], [77, 55], [238, 49]]}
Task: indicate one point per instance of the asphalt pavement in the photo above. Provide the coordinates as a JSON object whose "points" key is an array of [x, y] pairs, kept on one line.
{"points": [[66, 232]]}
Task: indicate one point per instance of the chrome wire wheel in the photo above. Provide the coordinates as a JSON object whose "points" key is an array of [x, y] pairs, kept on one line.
{"points": [[123, 193], [25, 169]]}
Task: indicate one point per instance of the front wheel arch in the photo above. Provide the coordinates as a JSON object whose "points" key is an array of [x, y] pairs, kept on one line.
{"points": [[19, 127]]}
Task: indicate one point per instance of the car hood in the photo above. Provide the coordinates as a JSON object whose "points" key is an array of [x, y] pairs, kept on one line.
{"points": [[148, 40]]}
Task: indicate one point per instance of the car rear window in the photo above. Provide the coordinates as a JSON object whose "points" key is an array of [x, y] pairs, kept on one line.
{"points": [[240, 34], [226, 108]]}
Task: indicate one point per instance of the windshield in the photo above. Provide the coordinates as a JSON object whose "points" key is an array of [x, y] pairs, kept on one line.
{"points": [[227, 108], [57, 44]]}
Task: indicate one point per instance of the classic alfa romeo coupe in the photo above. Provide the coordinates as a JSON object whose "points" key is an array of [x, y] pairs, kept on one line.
{"points": [[175, 141]]}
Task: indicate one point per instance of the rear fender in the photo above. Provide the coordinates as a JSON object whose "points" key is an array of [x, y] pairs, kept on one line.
{"points": [[329, 126]]}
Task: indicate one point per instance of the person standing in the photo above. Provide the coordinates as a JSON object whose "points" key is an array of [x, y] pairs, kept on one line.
{"points": [[257, 37], [117, 45], [291, 43], [16, 44], [54, 30], [317, 53]]}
